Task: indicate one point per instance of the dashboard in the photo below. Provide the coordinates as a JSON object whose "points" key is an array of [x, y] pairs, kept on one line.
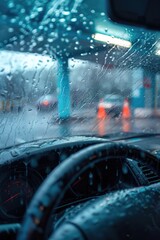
{"points": [[24, 168]]}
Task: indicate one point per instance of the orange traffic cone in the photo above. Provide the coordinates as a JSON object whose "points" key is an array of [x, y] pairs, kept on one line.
{"points": [[101, 113], [126, 125], [101, 127], [126, 113]]}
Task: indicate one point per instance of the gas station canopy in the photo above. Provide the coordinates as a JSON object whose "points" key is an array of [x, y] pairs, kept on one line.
{"points": [[67, 28]]}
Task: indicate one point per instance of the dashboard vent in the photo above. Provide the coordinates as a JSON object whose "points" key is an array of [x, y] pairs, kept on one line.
{"points": [[150, 175]]}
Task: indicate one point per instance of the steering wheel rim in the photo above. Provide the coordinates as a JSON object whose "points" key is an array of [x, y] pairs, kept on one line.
{"points": [[53, 188]]}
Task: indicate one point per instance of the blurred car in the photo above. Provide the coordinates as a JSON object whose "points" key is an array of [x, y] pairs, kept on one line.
{"points": [[112, 103], [47, 102]]}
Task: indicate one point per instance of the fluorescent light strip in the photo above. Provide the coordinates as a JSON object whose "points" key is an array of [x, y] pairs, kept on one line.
{"points": [[111, 40], [157, 52]]}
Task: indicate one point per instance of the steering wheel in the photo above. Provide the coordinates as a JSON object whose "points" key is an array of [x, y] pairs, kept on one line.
{"points": [[51, 192]]}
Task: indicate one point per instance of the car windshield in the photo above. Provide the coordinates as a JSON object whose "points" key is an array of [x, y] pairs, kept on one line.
{"points": [[60, 59]]}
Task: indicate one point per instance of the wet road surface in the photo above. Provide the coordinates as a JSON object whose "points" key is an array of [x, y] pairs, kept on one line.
{"points": [[31, 125]]}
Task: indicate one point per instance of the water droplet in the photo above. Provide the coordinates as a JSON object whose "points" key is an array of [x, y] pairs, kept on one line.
{"points": [[69, 28], [62, 20], [66, 13], [90, 23], [14, 153], [10, 30], [40, 38], [102, 14], [73, 19]]}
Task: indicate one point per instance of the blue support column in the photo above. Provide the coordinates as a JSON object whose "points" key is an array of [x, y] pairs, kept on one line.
{"points": [[63, 89], [150, 88], [154, 90], [143, 92], [137, 89]]}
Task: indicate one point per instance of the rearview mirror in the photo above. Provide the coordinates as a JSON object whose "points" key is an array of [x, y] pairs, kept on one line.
{"points": [[136, 12]]}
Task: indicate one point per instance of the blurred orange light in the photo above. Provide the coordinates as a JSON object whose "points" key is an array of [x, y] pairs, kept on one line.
{"points": [[45, 103]]}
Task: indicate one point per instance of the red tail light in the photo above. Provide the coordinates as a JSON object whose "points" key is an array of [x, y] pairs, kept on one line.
{"points": [[45, 103]]}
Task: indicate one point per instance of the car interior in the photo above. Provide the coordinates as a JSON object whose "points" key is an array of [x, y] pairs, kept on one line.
{"points": [[84, 186]]}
